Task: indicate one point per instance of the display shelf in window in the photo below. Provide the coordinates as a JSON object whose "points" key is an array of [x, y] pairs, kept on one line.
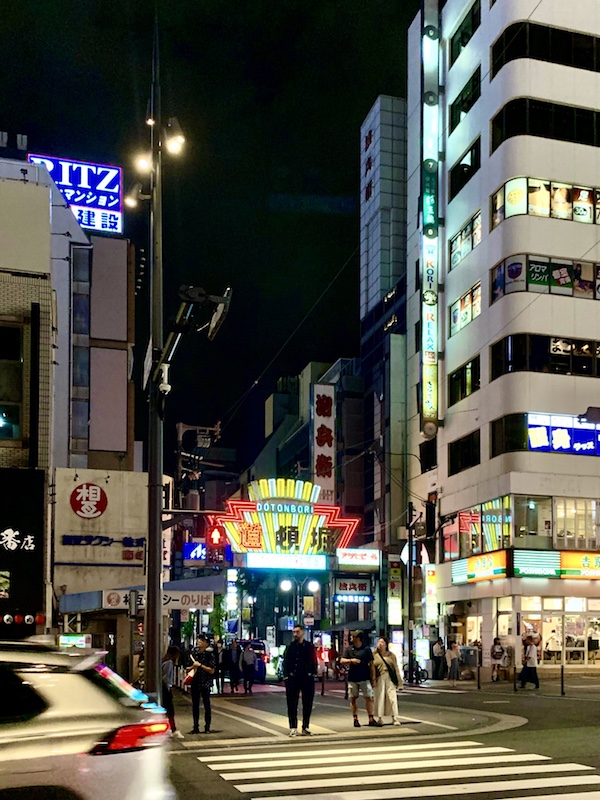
{"points": [[465, 240], [466, 309]]}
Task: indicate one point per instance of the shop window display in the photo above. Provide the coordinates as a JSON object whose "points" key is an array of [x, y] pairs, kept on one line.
{"points": [[533, 522]]}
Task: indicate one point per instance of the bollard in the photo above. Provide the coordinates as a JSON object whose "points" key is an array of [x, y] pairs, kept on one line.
{"points": [[322, 685], [562, 680], [478, 676], [515, 678]]}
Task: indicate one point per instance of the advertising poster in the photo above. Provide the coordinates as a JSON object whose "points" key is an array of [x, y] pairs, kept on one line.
{"points": [[455, 318], [466, 240], [465, 310], [515, 199], [597, 268], [584, 280], [561, 277], [498, 207], [583, 204], [538, 275], [539, 197], [455, 251], [476, 229], [498, 282], [476, 301], [562, 201], [514, 274]]}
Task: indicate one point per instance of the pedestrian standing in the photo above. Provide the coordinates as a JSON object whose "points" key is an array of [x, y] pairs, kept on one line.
{"points": [[204, 667], [530, 662], [497, 656], [452, 659], [387, 682], [248, 665], [168, 674], [233, 666], [220, 657], [299, 671], [361, 676], [438, 660]]}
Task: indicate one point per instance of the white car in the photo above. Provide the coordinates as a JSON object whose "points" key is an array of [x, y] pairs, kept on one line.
{"points": [[72, 729]]}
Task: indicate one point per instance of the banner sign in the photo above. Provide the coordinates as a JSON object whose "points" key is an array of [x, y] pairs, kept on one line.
{"points": [[487, 567], [118, 600], [359, 559], [324, 440], [283, 517], [92, 191], [578, 565]]}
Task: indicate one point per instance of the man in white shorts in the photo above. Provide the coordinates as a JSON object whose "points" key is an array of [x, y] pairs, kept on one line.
{"points": [[361, 676]]}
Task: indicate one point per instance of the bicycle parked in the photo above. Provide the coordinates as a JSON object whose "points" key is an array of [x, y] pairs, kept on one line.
{"points": [[420, 675]]}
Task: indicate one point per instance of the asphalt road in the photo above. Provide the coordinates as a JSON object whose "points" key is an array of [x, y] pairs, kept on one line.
{"points": [[530, 744]]}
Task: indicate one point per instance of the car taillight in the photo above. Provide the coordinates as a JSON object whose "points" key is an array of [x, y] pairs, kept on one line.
{"points": [[131, 737]]}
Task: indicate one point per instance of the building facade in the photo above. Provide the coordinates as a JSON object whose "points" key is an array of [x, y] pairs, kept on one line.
{"points": [[502, 351]]}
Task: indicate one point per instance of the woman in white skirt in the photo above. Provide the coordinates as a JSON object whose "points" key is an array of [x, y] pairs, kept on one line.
{"points": [[388, 682]]}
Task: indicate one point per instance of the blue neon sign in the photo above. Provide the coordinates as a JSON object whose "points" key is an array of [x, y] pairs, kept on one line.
{"points": [[93, 191], [558, 433], [194, 551]]}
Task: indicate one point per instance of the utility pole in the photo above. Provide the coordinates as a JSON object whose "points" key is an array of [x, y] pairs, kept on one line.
{"points": [[409, 590]]}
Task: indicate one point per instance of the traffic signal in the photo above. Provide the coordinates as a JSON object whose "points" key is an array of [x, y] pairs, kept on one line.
{"points": [[216, 541]]}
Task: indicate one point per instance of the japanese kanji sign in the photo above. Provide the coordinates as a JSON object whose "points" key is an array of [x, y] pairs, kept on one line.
{"points": [[118, 599], [285, 516], [359, 559], [323, 440], [89, 501], [93, 191]]}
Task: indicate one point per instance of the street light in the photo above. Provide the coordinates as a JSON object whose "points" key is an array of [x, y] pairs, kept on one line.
{"points": [[286, 586]]}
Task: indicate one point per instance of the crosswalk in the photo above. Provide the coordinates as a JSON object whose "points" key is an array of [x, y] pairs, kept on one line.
{"points": [[415, 690], [306, 771]]}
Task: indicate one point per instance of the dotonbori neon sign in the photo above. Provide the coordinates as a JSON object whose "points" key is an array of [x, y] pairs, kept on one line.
{"points": [[283, 516]]}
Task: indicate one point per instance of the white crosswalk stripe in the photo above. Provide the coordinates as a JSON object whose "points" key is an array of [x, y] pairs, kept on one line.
{"points": [[413, 690], [400, 771]]}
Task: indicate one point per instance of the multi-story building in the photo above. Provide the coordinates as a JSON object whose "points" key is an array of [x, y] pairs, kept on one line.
{"points": [[503, 354]]}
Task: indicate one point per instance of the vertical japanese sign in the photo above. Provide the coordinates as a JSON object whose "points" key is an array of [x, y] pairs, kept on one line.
{"points": [[92, 191], [22, 512], [429, 218], [323, 441]]}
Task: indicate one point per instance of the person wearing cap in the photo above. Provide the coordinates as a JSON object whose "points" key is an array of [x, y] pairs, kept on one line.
{"points": [[204, 665], [361, 676]]}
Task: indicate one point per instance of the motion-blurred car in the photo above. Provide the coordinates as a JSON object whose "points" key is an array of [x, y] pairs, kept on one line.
{"points": [[260, 648], [72, 729]]}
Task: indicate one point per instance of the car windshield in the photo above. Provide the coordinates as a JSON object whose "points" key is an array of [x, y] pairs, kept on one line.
{"points": [[114, 685]]}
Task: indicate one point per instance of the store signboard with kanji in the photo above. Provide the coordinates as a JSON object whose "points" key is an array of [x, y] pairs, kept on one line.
{"points": [[285, 517], [92, 191], [323, 440], [22, 511], [358, 559]]}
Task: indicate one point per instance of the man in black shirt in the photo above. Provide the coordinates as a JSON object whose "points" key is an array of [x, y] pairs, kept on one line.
{"points": [[299, 671], [204, 663], [361, 676]]}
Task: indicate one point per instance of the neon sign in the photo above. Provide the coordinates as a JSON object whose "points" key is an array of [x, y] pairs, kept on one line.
{"points": [[283, 517], [92, 191]]}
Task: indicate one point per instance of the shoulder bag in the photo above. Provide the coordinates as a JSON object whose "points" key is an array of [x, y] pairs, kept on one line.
{"points": [[391, 671], [187, 681]]}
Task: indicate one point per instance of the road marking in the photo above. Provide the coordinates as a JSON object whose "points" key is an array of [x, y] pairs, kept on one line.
{"points": [[454, 789], [396, 765], [280, 720], [428, 722], [307, 759], [406, 748], [247, 722], [447, 774], [494, 702]]}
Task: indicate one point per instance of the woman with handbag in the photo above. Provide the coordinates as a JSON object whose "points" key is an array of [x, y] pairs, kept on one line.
{"points": [[387, 683]]}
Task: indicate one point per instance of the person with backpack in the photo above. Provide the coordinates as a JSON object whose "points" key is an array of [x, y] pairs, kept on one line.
{"points": [[387, 682]]}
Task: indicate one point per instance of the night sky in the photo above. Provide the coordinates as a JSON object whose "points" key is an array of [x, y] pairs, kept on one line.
{"points": [[271, 95]]}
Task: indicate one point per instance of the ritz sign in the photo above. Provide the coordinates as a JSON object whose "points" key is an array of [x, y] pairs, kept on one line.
{"points": [[92, 191]]}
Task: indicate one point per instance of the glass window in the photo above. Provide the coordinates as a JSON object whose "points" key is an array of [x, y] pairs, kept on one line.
{"points": [[574, 603], [10, 343], [80, 419], [81, 264], [81, 314], [561, 202], [81, 366], [553, 603], [509, 434], [462, 172], [466, 99], [450, 540], [466, 29], [533, 522], [516, 199], [469, 526], [496, 524], [593, 604], [498, 207], [10, 421], [531, 604], [463, 382], [464, 453], [19, 701], [505, 603], [538, 197], [575, 523]]}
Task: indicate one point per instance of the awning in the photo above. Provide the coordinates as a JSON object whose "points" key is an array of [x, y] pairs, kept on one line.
{"points": [[356, 625]]}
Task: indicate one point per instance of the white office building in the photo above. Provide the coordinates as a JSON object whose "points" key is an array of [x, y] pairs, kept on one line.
{"points": [[502, 322]]}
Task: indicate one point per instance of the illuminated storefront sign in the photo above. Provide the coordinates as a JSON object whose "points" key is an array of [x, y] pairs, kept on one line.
{"points": [[487, 567], [536, 564], [283, 517], [324, 440], [92, 191], [359, 559], [495, 523], [429, 217], [559, 433], [194, 554], [580, 566], [308, 562], [430, 589], [353, 598]]}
